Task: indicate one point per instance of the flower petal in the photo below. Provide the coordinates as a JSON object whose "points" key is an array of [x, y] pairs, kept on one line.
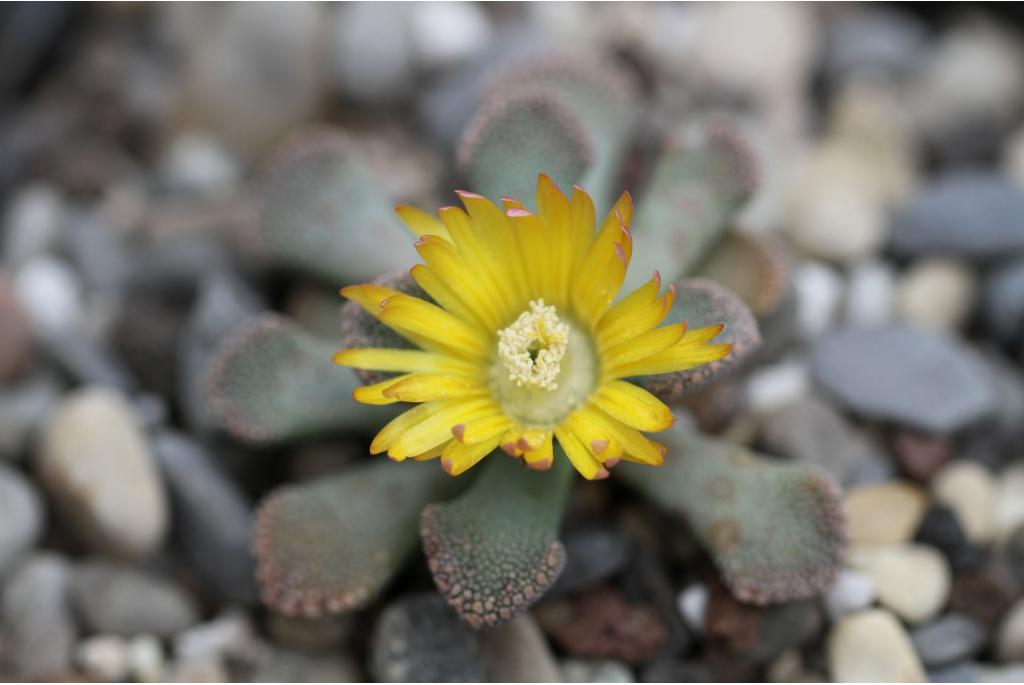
{"points": [[633, 406]]}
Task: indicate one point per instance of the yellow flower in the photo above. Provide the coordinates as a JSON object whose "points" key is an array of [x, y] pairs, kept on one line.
{"points": [[524, 345]]}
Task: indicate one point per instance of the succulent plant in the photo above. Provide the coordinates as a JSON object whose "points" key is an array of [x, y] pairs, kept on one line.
{"points": [[774, 530]]}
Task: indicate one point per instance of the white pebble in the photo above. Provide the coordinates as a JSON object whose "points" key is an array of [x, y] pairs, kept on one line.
{"points": [[819, 289], [773, 387], [851, 592], [871, 646], [870, 293], [937, 294], [32, 223], [693, 606], [103, 657], [1010, 501], [146, 661], [49, 292], [199, 163], [912, 580], [969, 490], [448, 33]]}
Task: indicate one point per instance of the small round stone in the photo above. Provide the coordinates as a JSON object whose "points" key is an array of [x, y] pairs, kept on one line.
{"points": [[693, 606], [969, 489], [871, 646], [952, 638], [1010, 639], [851, 592], [913, 581], [103, 658], [937, 294], [98, 468], [884, 513], [1009, 501]]}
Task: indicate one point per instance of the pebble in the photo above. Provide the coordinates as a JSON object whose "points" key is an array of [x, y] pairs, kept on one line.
{"points": [[592, 556], [675, 670], [103, 658], [1010, 637], [1003, 302], [50, 294], [197, 163], [97, 467], [912, 580], [147, 662], [969, 489], [419, 637], [973, 215], [871, 646], [870, 294], [372, 59], [920, 455], [819, 292], [874, 41], [32, 223], [445, 34], [774, 386], [36, 617], [692, 603], [21, 517], [936, 294], [1013, 157], [838, 213], [228, 635], [851, 592], [904, 375], [608, 671], [23, 408], [211, 671], [952, 638], [212, 518], [810, 431], [309, 634], [884, 513], [118, 599], [517, 652], [1010, 673], [276, 665], [963, 672], [1013, 552], [940, 528], [15, 335], [985, 594]]}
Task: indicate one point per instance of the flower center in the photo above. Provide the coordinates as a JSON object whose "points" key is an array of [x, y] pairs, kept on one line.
{"points": [[545, 367], [533, 346]]}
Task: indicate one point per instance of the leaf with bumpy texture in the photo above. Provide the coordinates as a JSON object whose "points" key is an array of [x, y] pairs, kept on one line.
{"points": [[776, 531], [322, 213], [701, 181], [700, 302], [332, 545], [271, 381], [493, 551]]}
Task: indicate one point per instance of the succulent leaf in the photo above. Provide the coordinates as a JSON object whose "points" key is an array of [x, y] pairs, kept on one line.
{"points": [[271, 381], [332, 545], [322, 213], [776, 531], [700, 303], [567, 115], [752, 266], [493, 551], [703, 178]]}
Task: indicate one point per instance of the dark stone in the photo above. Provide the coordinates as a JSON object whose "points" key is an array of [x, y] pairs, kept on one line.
{"points": [[1003, 303], [984, 595], [920, 455], [1013, 553], [212, 518], [941, 529], [978, 215], [672, 670], [950, 639], [419, 638], [593, 556], [904, 375]]}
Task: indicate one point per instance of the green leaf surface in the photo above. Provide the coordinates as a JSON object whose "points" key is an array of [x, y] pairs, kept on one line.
{"points": [[332, 545], [494, 551], [776, 531], [271, 381]]}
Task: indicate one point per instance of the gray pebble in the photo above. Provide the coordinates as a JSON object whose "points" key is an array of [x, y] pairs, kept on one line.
{"points": [[37, 618], [952, 638]]}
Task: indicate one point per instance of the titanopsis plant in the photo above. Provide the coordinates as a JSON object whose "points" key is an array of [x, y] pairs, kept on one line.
{"points": [[509, 338]]}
